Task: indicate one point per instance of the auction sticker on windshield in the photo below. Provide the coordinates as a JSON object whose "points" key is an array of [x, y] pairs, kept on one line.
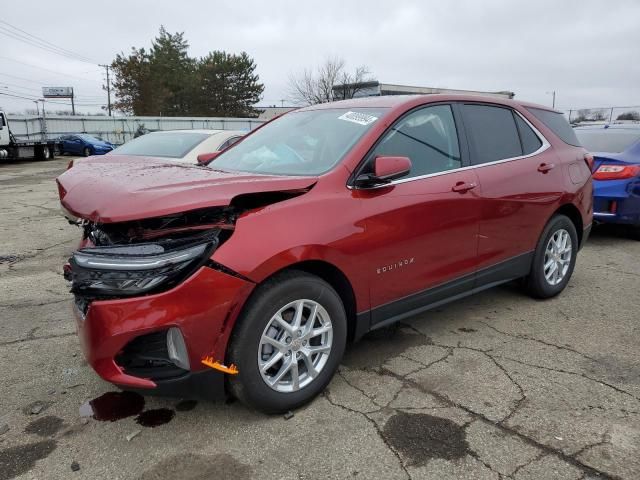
{"points": [[359, 118]]}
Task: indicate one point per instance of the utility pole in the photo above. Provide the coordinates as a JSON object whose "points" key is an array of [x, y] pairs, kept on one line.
{"points": [[37, 106], [73, 105], [106, 67], [553, 101], [43, 123]]}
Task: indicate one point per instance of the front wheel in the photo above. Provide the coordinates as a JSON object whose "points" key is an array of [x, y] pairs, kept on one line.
{"points": [[554, 258], [288, 342], [86, 152]]}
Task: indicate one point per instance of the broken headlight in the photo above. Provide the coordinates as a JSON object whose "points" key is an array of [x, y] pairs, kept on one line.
{"points": [[135, 269]]}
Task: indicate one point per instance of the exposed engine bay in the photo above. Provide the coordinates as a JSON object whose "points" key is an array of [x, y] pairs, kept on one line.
{"points": [[149, 255]]}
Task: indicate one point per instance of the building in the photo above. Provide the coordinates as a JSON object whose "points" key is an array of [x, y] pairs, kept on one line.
{"points": [[267, 113], [376, 89]]}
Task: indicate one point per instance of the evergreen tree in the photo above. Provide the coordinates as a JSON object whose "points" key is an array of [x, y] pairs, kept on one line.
{"points": [[166, 81], [228, 85]]}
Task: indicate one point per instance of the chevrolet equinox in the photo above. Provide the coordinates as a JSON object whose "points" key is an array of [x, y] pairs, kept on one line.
{"points": [[248, 275]]}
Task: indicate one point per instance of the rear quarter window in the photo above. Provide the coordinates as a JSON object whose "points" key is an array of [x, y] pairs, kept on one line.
{"points": [[556, 122]]}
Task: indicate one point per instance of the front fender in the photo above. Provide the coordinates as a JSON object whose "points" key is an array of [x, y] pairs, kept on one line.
{"points": [[323, 228]]}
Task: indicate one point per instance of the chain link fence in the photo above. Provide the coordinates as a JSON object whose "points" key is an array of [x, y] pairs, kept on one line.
{"points": [[605, 114]]}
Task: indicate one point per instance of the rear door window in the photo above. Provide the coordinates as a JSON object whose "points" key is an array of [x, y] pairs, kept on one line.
{"points": [[493, 133], [556, 122]]}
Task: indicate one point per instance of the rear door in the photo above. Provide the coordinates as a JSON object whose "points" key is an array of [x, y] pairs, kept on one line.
{"points": [[520, 183], [422, 227]]}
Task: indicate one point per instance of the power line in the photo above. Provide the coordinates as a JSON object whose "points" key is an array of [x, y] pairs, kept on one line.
{"points": [[33, 40], [16, 96], [82, 98], [47, 70], [21, 78], [14, 85], [32, 98]]}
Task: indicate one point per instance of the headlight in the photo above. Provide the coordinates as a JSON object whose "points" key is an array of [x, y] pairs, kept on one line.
{"points": [[134, 269]]}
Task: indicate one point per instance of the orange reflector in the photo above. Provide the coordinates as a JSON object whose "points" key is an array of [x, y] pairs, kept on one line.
{"points": [[210, 362]]}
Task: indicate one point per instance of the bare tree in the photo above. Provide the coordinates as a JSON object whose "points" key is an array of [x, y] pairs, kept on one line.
{"points": [[312, 87], [630, 115]]}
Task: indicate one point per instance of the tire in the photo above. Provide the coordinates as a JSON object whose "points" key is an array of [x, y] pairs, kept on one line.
{"points": [[86, 152], [545, 282], [247, 346], [634, 232], [43, 153]]}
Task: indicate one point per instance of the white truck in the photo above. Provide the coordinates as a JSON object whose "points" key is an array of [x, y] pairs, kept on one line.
{"points": [[13, 149]]}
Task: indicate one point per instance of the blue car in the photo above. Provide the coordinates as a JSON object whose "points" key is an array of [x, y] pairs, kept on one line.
{"points": [[83, 144], [616, 177]]}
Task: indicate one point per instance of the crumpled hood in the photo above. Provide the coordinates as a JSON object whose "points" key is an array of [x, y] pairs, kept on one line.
{"points": [[119, 188]]}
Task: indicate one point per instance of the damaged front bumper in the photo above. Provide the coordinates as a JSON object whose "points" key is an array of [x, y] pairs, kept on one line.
{"points": [[203, 308]]}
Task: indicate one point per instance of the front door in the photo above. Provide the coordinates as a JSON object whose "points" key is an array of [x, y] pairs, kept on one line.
{"points": [[423, 226]]}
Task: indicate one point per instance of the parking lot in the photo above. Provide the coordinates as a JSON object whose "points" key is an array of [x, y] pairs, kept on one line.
{"points": [[495, 386]]}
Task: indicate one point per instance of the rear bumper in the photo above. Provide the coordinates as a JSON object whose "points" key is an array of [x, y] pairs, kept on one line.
{"points": [[616, 201], [204, 307]]}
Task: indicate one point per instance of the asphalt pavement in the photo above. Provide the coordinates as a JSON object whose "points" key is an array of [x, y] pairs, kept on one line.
{"points": [[497, 386]]}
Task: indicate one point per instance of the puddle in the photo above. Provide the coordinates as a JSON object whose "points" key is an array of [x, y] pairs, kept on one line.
{"points": [[420, 437], [45, 426], [186, 405], [156, 417], [198, 467], [113, 406], [22, 458], [375, 348]]}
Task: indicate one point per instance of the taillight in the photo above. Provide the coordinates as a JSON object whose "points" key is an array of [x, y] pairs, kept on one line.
{"points": [[588, 159], [616, 172]]}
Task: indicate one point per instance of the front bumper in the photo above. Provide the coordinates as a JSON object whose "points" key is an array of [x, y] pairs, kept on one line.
{"points": [[204, 307]]}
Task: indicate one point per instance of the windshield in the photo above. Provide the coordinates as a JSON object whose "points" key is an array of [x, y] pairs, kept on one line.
{"points": [[300, 143], [612, 140], [170, 145]]}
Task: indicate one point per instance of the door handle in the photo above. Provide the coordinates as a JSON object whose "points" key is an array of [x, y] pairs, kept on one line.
{"points": [[545, 167], [463, 187]]}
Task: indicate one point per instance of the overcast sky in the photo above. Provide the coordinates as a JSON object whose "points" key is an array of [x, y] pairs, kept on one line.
{"points": [[587, 51]]}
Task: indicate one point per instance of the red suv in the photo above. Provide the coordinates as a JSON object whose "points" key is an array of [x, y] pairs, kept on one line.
{"points": [[251, 274]]}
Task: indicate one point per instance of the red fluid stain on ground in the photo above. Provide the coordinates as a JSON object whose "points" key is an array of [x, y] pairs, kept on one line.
{"points": [[113, 406], [156, 417]]}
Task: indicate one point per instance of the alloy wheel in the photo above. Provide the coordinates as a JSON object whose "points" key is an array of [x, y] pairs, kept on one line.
{"points": [[557, 257], [295, 346]]}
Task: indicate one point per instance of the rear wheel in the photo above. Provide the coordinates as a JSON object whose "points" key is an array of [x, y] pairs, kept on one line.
{"points": [[634, 231], [43, 152], [288, 342], [86, 152], [554, 258]]}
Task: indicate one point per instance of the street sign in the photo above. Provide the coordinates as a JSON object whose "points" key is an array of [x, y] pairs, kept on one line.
{"points": [[57, 92]]}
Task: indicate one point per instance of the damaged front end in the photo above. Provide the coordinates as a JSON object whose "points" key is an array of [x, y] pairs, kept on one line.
{"points": [[119, 260]]}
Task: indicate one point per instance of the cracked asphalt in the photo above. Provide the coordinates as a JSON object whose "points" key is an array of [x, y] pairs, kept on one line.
{"points": [[497, 386]]}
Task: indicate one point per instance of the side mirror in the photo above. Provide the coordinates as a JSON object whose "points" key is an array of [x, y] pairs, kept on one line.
{"points": [[206, 158], [385, 170]]}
